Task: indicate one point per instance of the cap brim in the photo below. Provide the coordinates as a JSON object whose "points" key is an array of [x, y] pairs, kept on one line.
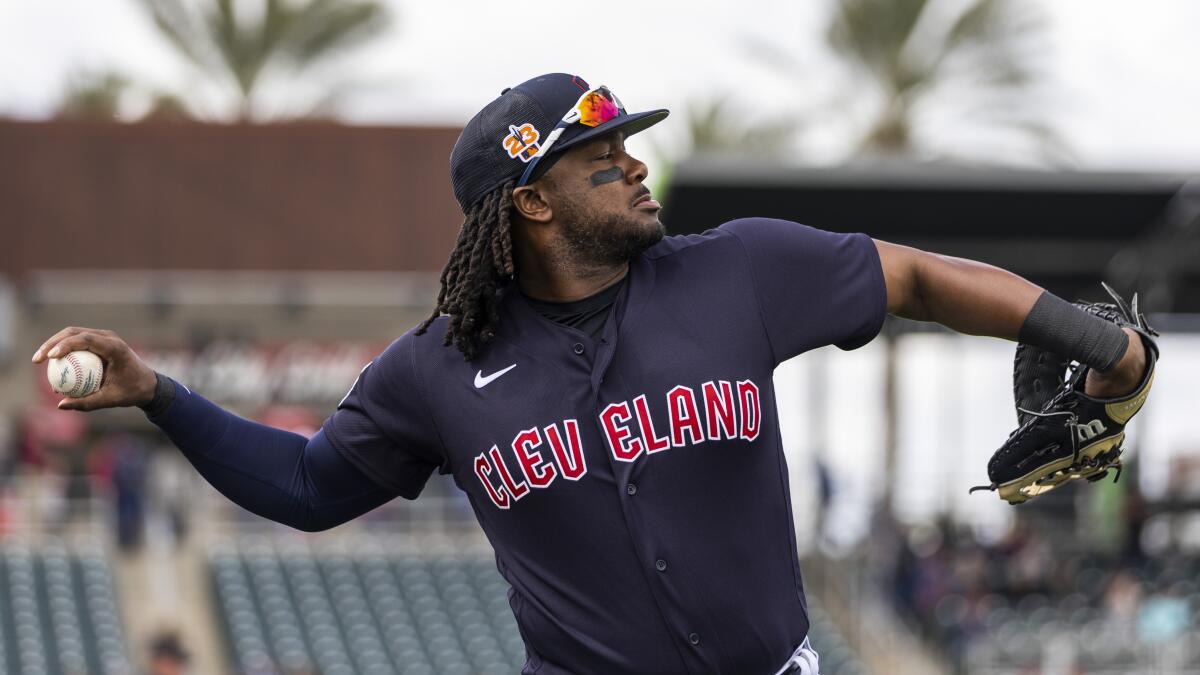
{"points": [[630, 124]]}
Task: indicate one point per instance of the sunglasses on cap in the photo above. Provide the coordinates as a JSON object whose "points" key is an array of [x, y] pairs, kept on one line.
{"points": [[592, 109]]}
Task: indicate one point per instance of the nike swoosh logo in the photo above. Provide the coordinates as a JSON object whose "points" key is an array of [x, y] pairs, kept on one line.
{"points": [[481, 381]]}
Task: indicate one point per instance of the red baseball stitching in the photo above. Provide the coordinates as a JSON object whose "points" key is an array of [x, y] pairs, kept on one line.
{"points": [[74, 361]]}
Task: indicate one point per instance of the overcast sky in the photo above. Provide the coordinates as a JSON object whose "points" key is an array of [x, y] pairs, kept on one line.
{"points": [[1120, 79]]}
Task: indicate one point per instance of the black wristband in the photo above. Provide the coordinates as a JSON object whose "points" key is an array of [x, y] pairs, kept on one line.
{"points": [[1060, 327], [164, 395]]}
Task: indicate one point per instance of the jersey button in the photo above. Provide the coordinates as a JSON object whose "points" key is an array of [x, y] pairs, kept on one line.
{"points": [[660, 565], [577, 348], [694, 638], [631, 489]]}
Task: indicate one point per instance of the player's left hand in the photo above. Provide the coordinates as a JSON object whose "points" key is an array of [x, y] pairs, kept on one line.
{"points": [[1074, 428], [1125, 376], [128, 381]]}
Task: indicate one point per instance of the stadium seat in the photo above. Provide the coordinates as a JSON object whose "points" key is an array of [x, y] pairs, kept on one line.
{"points": [[381, 612], [58, 612]]}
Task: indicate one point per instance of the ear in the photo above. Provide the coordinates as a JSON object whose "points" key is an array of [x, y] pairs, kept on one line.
{"points": [[530, 202]]}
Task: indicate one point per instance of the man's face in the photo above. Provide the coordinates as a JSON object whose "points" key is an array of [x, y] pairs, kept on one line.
{"points": [[604, 210]]}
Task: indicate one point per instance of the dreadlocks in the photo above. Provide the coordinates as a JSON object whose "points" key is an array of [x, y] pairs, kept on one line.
{"points": [[480, 264]]}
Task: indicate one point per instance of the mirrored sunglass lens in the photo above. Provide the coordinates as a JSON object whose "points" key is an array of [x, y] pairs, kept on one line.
{"points": [[598, 107]]}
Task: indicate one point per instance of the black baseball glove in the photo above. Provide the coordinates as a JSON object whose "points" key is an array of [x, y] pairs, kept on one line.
{"points": [[1063, 433]]}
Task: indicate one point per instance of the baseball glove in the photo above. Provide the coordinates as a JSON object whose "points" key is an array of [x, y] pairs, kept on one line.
{"points": [[1063, 433]]}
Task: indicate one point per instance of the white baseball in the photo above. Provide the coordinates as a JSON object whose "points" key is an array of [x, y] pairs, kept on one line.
{"points": [[75, 375]]}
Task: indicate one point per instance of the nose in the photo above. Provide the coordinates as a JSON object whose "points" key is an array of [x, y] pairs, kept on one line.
{"points": [[638, 171]]}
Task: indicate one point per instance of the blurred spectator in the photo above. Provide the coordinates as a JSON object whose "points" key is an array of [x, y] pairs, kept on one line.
{"points": [[825, 495], [1046, 583], [172, 488], [1123, 597], [71, 464], [1135, 513], [129, 484], [9, 439], [167, 655], [1163, 617]]}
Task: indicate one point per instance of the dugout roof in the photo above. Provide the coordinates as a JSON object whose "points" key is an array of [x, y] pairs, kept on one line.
{"points": [[1063, 230]]}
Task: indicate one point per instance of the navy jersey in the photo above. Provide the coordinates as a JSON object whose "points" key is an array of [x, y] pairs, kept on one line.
{"points": [[633, 486]]}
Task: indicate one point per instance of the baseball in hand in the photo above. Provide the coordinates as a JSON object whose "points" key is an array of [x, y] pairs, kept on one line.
{"points": [[75, 375]]}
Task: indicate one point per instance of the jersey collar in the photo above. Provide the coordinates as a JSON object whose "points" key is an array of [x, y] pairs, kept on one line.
{"points": [[521, 324]]}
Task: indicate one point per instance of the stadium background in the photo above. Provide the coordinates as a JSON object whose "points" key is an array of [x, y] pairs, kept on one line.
{"points": [[261, 233]]}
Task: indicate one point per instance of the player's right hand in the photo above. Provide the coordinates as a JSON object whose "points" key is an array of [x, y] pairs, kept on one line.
{"points": [[128, 381]]}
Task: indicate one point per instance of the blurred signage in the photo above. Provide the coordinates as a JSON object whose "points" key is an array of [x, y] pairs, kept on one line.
{"points": [[47, 424], [256, 374]]}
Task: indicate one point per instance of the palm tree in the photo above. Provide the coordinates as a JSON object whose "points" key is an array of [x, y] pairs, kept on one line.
{"points": [[240, 46], [919, 54], [712, 127], [93, 95]]}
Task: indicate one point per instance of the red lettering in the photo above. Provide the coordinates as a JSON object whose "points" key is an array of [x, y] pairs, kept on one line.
{"points": [[751, 410], [613, 418], [720, 409], [523, 445], [517, 490], [654, 443], [572, 465], [482, 469], [684, 416]]}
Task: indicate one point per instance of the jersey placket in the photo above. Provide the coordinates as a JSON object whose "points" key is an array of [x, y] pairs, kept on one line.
{"points": [[661, 574], [592, 359], [654, 567], [595, 357]]}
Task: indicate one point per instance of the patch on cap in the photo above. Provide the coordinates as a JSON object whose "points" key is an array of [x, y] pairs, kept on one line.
{"points": [[522, 142]]}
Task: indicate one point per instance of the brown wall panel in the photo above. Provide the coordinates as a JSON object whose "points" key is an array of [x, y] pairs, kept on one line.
{"points": [[309, 196]]}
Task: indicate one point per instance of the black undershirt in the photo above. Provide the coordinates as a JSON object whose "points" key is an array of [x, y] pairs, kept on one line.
{"points": [[587, 314]]}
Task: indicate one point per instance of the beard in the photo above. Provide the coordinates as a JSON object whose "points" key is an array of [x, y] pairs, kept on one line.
{"points": [[606, 240]]}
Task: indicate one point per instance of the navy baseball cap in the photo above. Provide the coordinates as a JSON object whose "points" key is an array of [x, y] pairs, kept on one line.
{"points": [[499, 142]]}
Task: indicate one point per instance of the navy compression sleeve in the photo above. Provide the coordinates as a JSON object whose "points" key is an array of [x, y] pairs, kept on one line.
{"points": [[300, 482]]}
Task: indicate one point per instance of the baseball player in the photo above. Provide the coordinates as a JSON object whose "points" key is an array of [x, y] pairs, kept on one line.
{"points": [[602, 393]]}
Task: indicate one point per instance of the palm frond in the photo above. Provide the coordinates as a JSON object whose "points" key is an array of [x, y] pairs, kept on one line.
{"points": [[326, 26], [714, 127], [179, 27], [241, 48], [93, 95], [977, 24], [874, 33], [983, 52]]}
